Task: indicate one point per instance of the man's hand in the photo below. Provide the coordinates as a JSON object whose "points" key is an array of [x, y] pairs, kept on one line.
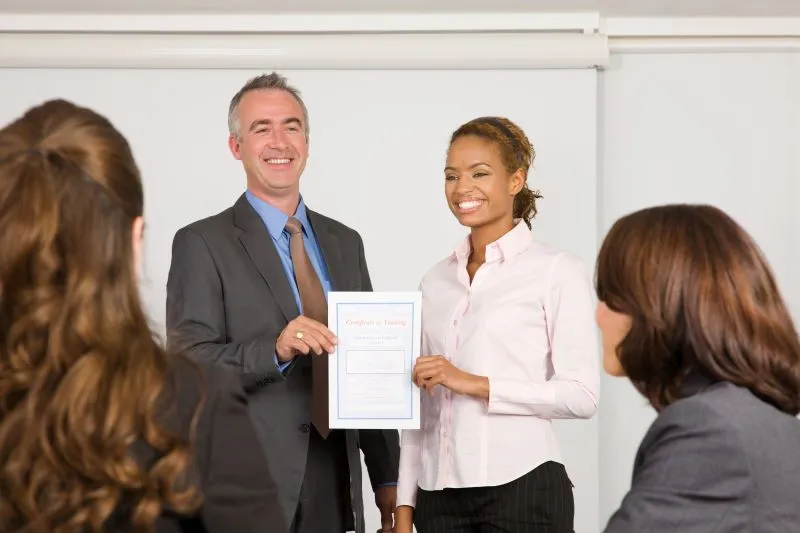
{"points": [[304, 336], [385, 499], [432, 370]]}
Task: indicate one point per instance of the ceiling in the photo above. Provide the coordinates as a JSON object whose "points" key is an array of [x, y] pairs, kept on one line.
{"points": [[677, 8]]}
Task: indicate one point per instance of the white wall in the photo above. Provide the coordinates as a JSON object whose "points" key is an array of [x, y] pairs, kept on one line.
{"points": [[712, 128]]}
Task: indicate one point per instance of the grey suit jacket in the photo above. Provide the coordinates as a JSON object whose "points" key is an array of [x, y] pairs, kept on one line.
{"points": [[719, 460], [239, 493], [228, 299], [237, 487]]}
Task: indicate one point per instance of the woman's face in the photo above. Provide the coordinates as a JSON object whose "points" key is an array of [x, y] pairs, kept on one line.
{"points": [[613, 328], [478, 188], [137, 230]]}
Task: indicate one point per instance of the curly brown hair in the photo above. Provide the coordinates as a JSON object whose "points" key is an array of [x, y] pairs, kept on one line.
{"points": [[702, 300], [516, 152], [82, 374]]}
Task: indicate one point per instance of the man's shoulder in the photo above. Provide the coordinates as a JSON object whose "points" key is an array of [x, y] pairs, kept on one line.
{"points": [[332, 225], [209, 225]]}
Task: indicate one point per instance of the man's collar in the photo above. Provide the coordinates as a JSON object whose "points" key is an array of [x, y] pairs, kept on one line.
{"points": [[274, 218]]}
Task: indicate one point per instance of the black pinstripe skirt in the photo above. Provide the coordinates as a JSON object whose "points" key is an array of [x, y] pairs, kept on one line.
{"points": [[541, 501]]}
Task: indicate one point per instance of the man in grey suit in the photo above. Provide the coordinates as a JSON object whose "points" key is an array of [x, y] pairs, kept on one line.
{"points": [[233, 300]]}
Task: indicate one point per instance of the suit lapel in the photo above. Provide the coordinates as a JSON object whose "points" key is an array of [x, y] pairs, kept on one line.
{"points": [[259, 246], [331, 250]]}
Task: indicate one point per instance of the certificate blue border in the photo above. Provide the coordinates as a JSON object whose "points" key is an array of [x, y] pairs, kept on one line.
{"points": [[339, 362]]}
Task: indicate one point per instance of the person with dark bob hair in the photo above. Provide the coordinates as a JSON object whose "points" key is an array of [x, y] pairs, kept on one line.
{"points": [[691, 314]]}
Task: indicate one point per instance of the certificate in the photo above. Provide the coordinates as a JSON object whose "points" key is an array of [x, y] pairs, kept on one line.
{"points": [[369, 376]]}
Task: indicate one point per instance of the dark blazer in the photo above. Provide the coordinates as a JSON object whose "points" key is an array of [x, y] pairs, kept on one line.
{"points": [[718, 460], [228, 299], [238, 491]]}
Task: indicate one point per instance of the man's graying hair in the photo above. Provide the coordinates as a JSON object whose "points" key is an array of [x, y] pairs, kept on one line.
{"points": [[263, 82]]}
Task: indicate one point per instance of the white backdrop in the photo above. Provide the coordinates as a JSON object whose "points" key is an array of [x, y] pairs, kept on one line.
{"points": [[378, 141]]}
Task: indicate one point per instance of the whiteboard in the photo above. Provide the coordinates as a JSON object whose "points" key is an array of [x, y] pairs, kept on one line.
{"points": [[377, 148]]}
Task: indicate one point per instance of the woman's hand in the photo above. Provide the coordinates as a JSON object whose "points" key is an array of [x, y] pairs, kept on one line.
{"points": [[404, 519], [432, 370]]}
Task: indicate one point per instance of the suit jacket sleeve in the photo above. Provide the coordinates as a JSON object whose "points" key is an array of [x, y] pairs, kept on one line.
{"points": [[381, 447], [196, 315], [691, 475], [239, 492]]}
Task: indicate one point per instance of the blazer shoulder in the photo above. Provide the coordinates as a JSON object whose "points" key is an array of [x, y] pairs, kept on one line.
{"points": [[334, 226], [691, 459], [695, 407], [757, 424], [210, 224], [722, 399], [705, 415]]}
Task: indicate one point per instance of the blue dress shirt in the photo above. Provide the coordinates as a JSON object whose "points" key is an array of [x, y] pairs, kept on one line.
{"points": [[275, 221]]}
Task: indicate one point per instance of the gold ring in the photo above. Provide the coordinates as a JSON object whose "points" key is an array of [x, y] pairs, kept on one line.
{"points": [[299, 334]]}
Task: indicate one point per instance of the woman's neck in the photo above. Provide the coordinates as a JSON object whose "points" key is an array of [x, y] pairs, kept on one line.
{"points": [[483, 236]]}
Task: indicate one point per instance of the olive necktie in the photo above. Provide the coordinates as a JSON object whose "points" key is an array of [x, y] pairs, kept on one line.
{"points": [[315, 306]]}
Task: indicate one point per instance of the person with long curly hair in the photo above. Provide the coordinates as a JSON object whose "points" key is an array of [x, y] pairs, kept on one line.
{"points": [[102, 430]]}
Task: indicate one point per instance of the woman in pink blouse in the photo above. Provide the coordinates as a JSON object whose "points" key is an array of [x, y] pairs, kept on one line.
{"points": [[508, 324]]}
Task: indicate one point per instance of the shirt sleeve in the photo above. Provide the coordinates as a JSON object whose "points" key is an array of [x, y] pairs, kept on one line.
{"points": [[410, 456], [572, 391], [281, 366], [410, 466]]}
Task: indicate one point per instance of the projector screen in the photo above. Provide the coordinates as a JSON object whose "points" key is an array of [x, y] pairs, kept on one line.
{"points": [[377, 149]]}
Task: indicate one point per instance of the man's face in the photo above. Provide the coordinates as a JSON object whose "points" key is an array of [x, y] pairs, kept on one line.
{"points": [[272, 143]]}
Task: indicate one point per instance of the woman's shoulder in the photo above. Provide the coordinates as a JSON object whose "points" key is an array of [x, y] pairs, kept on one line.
{"points": [[443, 270], [555, 255], [702, 402], [725, 411], [726, 426], [559, 266]]}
